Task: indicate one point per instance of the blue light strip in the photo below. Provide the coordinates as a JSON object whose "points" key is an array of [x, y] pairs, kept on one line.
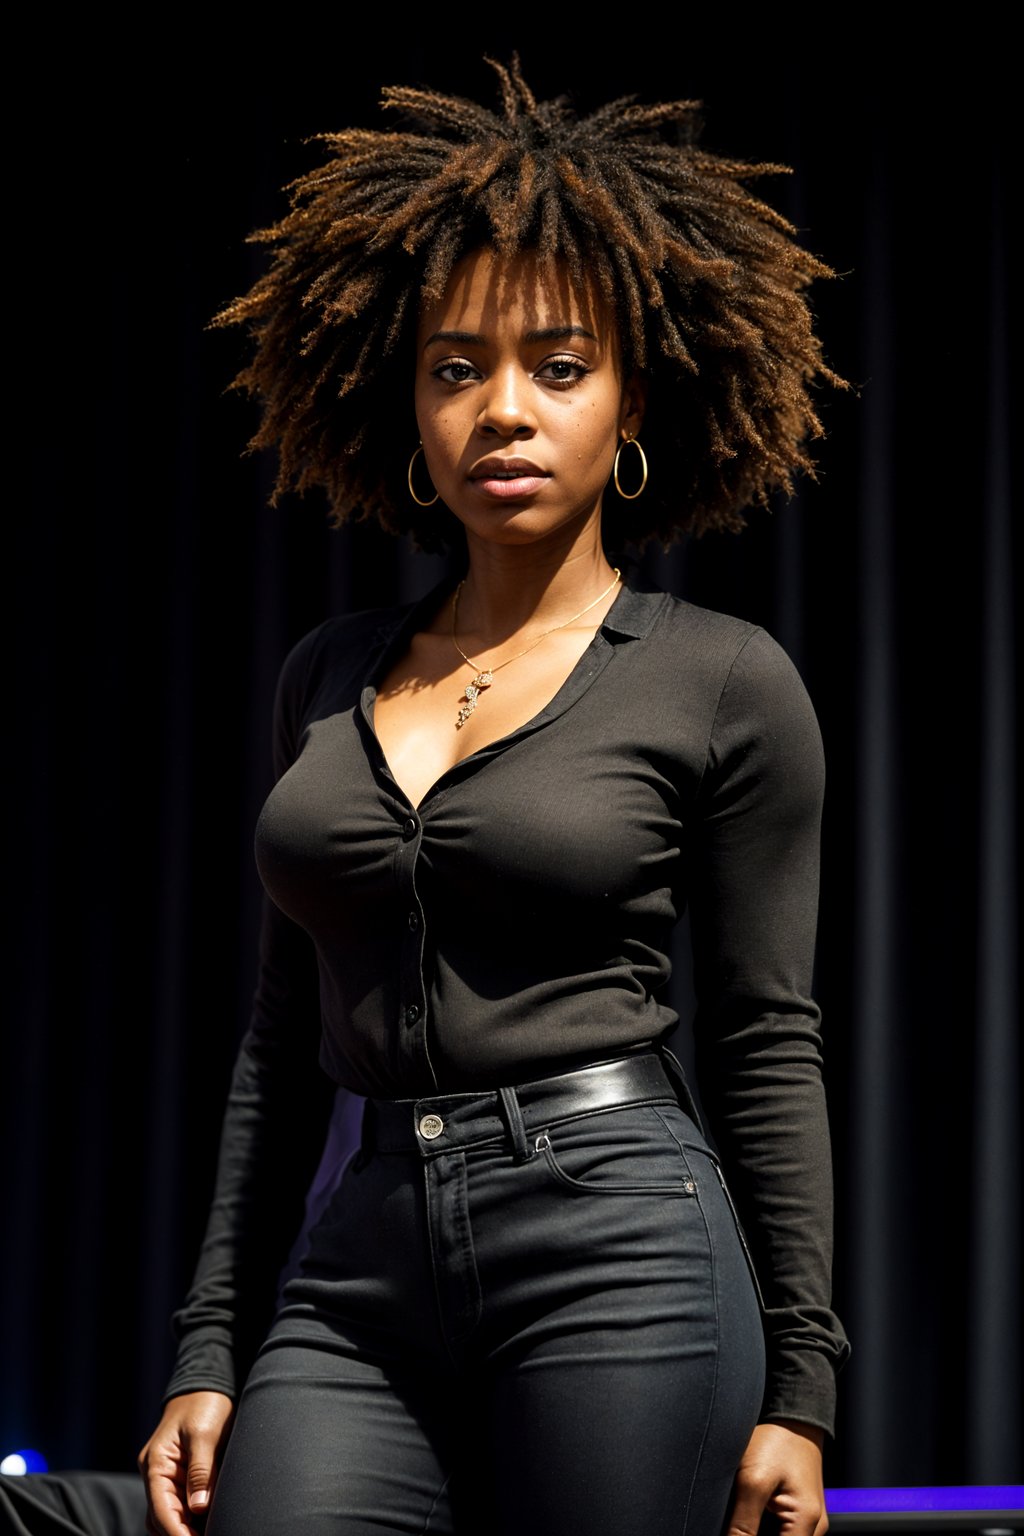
{"points": [[1005, 1497]]}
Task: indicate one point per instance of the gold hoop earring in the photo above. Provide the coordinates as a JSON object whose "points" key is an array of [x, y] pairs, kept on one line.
{"points": [[629, 495], [412, 493]]}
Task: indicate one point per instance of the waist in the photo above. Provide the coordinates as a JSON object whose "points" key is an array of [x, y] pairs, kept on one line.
{"points": [[441, 1122]]}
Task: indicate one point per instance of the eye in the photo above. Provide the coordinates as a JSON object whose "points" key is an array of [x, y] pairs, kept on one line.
{"points": [[563, 370], [455, 370]]}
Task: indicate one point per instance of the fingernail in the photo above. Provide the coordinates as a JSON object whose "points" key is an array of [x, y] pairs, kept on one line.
{"points": [[198, 1499]]}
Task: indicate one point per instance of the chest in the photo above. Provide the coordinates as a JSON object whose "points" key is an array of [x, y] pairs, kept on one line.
{"points": [[574, 792], [564, 818], [433, 709]]}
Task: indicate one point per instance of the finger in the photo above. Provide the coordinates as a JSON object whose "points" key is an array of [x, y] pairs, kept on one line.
{"points": [[154, 1527], [166, 1514], [748, 1507], [201, 1452], [799, 1516]]}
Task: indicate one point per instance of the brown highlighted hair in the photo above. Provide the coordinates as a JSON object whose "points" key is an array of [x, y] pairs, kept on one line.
{"points": [[707, 282]]}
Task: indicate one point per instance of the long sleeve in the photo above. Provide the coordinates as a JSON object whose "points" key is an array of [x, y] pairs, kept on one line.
{"points": [[278, 1108], [754, 901]]}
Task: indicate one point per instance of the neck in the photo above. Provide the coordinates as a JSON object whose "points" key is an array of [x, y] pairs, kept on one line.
{"points": [[509, 589]]}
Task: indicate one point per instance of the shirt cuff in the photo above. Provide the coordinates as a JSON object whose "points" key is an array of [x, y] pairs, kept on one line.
{"points": [[801, 1386], [205, 1363]]}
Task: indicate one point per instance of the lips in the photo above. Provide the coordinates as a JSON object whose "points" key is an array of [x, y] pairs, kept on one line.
{"points": [[506, 478]]}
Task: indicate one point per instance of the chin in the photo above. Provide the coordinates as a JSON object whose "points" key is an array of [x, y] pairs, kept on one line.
{"points": [[521, 523]]}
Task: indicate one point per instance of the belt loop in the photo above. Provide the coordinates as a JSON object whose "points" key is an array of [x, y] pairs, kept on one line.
{"points": [[513, 1117]]}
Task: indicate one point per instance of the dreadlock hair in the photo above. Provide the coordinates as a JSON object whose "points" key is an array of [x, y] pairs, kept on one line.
{"points": [[705, 280]]}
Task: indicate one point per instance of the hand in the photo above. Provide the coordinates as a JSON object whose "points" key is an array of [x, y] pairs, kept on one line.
{"points": [[179, 1461], [781, 1471]]}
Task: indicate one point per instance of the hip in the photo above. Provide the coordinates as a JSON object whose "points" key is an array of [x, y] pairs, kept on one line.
{"points": [[593, 1180]]}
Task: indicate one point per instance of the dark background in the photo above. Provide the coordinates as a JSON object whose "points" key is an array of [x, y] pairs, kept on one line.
{"points": [[153, 595]]}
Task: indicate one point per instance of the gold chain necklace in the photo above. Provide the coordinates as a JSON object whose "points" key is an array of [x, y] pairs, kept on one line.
{"points": [[485, 676]]}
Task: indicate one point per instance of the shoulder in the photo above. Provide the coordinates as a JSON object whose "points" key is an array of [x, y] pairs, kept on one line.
{"points": [[713, 640], [338, 644], [742, 681], [730, 659], [323, 672]]}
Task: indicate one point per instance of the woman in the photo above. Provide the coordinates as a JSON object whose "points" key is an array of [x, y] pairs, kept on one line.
{"points": [[531, 1301]]}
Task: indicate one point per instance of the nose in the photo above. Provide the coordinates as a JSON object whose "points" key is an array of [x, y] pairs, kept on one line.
{"points": [[506, 408]]}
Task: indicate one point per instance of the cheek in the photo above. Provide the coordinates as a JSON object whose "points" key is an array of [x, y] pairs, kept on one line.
{"points": [[443, 443], [441, 432], [595, 431]]}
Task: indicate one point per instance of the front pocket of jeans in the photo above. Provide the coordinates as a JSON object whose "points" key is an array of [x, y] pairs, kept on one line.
{"points": [[583, 1160]]}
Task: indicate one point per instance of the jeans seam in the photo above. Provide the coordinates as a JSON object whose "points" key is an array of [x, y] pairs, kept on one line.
{"points": [[715, 1161], [431, 1215], [437, 1499], [453, 1339], [718, 1329], [468, 1250], [714, 1382], [682, 1148]]}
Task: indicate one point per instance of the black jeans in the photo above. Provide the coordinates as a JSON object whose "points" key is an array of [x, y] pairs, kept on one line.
{"points": [[509, 1319]]}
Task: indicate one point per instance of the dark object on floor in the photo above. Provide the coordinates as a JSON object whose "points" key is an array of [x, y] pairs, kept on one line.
{"points": [[73, 1504]]}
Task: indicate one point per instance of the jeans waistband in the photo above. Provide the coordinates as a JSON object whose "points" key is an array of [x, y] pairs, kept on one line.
{"points": [[443, 1122]]}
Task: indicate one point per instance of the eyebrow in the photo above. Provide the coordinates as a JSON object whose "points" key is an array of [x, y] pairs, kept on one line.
{"points": [[548, 333]]}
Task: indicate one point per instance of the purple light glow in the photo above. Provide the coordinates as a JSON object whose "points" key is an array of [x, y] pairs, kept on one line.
{"points": [[1005, 1497]]}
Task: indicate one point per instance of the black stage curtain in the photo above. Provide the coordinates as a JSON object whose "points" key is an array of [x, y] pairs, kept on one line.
{"points": [[154, 595]]}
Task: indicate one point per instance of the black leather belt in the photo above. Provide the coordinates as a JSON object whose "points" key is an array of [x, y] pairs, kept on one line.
{"points": [[441, 1122]]}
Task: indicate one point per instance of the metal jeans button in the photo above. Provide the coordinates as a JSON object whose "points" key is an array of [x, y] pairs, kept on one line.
{"points": [[431, 1127]]}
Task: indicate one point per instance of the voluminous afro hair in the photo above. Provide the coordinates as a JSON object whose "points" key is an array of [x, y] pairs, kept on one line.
{"points": [[706, 280]]}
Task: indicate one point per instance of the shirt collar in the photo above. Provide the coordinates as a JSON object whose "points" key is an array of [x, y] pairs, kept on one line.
{"points": [[636, 607], [632, 614]]}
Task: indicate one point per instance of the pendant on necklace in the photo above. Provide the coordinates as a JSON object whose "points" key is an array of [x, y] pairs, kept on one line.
{"points": [[482, 680]]}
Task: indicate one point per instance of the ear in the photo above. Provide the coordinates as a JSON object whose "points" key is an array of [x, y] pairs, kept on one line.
{"points": [[634, 403]]}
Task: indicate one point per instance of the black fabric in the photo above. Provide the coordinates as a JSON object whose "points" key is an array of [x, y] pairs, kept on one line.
{"points": [[73, 1504], [567, 1344], [519, 922]]}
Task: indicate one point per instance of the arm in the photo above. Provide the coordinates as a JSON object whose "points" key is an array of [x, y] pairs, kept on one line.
{"points": [[275, 1122], [754, 898]]}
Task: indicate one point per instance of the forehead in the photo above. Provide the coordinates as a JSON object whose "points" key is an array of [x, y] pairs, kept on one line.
{"points": [[489, 292]]}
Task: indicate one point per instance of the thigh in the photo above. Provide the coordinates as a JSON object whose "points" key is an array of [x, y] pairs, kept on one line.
{"points": [[331, 1444], [343, 1426], [622, 1400]]}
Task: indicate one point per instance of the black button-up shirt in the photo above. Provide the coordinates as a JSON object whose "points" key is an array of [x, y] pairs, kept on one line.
{"points": [[518, 923]]}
